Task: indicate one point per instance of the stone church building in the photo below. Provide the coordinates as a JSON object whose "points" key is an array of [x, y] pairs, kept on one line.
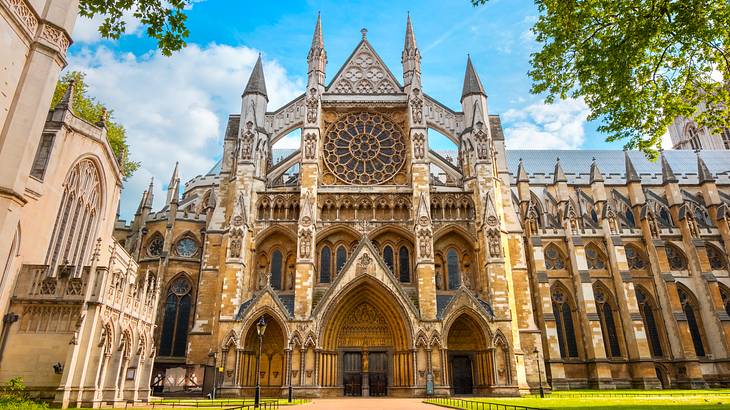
{"points": [[380, 264]]}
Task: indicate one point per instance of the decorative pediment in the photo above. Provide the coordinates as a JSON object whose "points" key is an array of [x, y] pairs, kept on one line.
{"points": [[364, 73], [364, 264], [465, 298], [266, 299]]}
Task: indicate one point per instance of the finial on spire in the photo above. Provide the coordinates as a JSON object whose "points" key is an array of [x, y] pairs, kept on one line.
{"points": [[472, 84], [596, 175], [667, 172], [103, 117], [68, 96], [631, 174], [364, 33], [410, 36], [559, 174], [703, 173]]}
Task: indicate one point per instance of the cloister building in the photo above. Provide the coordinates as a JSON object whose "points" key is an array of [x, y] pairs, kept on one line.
{"points": [[381, 264]]}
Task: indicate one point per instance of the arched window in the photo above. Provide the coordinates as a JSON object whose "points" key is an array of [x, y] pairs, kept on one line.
{"points": [[452, 268], [725, 295], [689, 307], [340, 259], [76, 218], [634, 258], [325, 262], [564, 323], [630, 220], [676, 258], [716, 258], [554, 258], [404, 263], [177, 316], [388, 258], [647, 315], [665, 218], [276, 266], [701, 215], [594, 258], [693, 135], [608, 322]]}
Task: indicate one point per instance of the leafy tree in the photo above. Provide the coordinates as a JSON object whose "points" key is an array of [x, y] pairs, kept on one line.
{"points": [[164, 20], [91, 110], [638, 63]]}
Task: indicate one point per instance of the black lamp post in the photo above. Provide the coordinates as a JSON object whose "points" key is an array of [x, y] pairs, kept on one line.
{"points": [[213, 355], [291, 389], [539, 372], [260, 329]]}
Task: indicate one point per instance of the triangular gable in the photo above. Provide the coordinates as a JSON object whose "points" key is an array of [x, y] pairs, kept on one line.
{"points": [[266, 297], [464, 297], [365, 262], [364, 72]]}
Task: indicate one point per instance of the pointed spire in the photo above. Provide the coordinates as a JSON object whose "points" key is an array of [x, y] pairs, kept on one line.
{"points": [[667, 173], [423, 209], [410, 43], [631, 174], [142, 201], [256, 82], [559, 175], [68, 97], [317, 38], [521, 173], [703, 173], [472, 84], [596, 175], [150, 195], [173, 186]]}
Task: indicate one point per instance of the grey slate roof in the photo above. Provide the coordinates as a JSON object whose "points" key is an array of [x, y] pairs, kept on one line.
{"points": [[540, 164], [441, 302]]}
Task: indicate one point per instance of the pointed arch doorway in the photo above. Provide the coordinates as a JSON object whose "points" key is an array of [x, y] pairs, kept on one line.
{"points": [[366, 344]]}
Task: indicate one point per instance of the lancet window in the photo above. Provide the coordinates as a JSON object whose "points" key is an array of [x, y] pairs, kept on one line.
{"points": [[691, 311], [608, 321], [647, 308], [677, 260], [173, 340], [564, 323], [716, 258], [325, 264], [452, 268], [76, 219]]}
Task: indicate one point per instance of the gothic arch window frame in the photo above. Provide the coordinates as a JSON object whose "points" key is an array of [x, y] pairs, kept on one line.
{"points": [[186, 236], [649, 311], [396, 263], [692, 134], [699, 213], [692, 312], [557, 261], [324, 274], [564, 307], [79, 212], [610, 320], [596, 257], [179, 296], [638, 256], [676, 258], [453, 279], [340, 258], [277, 249], [158, 241], [725, 296], [716, 257]]}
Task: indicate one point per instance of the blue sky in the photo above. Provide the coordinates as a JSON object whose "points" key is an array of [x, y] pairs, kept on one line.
{"points": [[175, 108]]}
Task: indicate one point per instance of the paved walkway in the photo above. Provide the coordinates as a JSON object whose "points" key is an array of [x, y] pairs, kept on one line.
{"points": [[374, 403]]}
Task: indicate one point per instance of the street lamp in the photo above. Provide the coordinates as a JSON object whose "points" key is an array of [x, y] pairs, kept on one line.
{"points": [[214, 355], [260, 329], [291, 390], [539, 372]]}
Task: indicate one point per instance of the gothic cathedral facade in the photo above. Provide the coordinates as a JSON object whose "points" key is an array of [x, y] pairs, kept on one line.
{"points": [[384, 267]]}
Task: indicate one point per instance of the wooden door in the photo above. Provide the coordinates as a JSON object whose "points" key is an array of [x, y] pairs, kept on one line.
{"points": [[461, 375], [378, 373], [352, 373]]}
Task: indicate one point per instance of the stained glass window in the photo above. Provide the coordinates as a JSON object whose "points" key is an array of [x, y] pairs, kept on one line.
{"points": [[177, 315], [325, 262], [155, 246], [717, 260], [186, 247], [677, 261], [388, 258], [452, 267], [594, 258], [364, 149], [404, 264], [564, 323], [276, 265], [341, 258], [647, 314], [693, 323], [634, 258], [608, 324], [553, 258]]}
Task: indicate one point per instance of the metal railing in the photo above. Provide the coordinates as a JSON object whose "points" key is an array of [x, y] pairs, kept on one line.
{"points": [[475, 405], [222, 404], [601, 395]]}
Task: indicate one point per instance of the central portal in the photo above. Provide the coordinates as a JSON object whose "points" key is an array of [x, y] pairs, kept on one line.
{"points": [[365, 373]]}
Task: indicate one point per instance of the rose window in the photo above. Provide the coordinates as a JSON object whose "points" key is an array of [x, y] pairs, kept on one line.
{"points": [[364, 149]]}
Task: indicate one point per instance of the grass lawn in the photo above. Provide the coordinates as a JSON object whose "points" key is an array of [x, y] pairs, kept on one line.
{"points": [[617, 400]]}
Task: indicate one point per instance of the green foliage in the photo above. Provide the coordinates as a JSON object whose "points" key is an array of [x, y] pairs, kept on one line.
{"points": [[91, 110], [637, 63], [13, 396], [164, 20]]}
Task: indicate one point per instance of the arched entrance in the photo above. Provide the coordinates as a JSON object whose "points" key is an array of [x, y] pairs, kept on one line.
{"points": [[273, 357], [366, 343], [470, 362]]}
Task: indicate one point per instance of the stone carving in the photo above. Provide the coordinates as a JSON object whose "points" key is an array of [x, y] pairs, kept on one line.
{"points": [[247, 145], [55, 36], [482, 143], [417, 107], [365, 326], [310, 146], [465, 279], [495, 243], [25, 14], [653, 227], [363, 263], [305, 243], [292, 278], [424, 243], [419, 146], [364, 74], [438, 279], [236, 241], [312, 106]]}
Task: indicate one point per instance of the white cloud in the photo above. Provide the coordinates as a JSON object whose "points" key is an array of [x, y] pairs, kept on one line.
{"points": [[176, 108], [87, 29], [546, 126], [666, 141]]}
